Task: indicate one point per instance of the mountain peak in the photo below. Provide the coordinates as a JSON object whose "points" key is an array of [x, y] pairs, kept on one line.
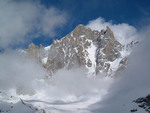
{"points": [[83, 47], [108, 29], [80, 25], [90, 49]]}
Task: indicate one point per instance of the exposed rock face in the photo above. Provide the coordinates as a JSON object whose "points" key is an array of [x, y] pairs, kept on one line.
{"points": [[96, 51], [36, 52], [108, 50], [33, 50], [144, 102]]}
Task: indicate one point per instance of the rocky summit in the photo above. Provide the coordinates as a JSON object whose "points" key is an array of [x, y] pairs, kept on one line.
{"points": [[96, 51]]}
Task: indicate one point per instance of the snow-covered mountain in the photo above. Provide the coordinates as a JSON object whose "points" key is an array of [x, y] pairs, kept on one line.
{"points": [[97, 52], [74, 60]]}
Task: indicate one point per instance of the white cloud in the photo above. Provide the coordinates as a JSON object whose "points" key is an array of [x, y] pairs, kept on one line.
{"points": [[21, 21], [71, 83], [52, 19], [124, 33], [18, 70], [21, 75]]}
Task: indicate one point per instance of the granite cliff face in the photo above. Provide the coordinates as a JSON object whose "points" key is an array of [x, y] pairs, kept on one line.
{"points": [[97, 52]]}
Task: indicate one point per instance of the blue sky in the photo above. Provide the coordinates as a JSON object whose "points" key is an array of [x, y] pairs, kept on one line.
{"points": [[120, 11], [133, 12], [67, 15]]}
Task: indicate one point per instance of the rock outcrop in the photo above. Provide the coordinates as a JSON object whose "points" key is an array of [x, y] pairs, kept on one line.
{"points": [[144, 103]]}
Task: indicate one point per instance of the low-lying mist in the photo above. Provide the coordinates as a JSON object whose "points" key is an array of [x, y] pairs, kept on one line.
{"points": [[16, 69], [25, 77], [69, 84]]}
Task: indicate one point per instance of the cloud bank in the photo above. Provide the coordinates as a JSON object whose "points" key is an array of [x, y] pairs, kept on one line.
{"points": [[70, 86], [21, 21], [18, 70], [25, 78], [123, 32]]}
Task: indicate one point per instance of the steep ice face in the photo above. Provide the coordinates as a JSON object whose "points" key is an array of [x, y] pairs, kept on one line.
{"points": [[47, 48], [92, 56], [44, 60]]}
